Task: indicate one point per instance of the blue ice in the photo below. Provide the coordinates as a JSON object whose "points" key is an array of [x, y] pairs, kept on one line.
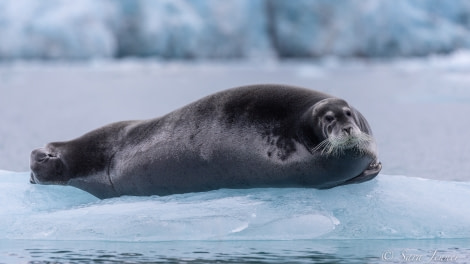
{"points": [[60, 29], [388, 207]]}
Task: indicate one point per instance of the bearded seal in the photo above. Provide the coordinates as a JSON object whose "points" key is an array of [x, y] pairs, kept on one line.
{"points": [[246, 137]]}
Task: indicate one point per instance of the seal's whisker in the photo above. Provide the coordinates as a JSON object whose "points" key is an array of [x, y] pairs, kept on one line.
{"points": [[321, 145], [336, 146]]}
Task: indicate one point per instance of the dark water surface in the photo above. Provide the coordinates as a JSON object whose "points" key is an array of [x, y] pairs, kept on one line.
{"points": [[299, 251]]}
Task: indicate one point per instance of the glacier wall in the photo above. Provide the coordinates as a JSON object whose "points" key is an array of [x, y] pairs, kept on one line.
{"points": [[207, 29]]}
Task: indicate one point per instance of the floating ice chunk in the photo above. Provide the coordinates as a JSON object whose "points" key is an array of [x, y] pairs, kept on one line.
{"points": [[384, 208]]}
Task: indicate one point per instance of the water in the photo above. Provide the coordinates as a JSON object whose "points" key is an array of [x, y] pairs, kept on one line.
{"points": [[417, 110], [299, 251]]}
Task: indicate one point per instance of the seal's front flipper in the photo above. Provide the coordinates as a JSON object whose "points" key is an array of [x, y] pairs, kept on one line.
{"points": [[370, 173]]}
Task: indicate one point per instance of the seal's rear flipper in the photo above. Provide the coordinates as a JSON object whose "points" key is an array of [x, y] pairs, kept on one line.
{"points": [[370, 173]]}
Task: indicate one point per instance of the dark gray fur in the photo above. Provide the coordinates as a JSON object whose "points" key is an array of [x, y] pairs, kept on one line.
{"points": [[247, 137]]}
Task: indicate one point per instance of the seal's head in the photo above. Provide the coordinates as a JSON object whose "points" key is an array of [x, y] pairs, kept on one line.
{"points": [[338, 128]]}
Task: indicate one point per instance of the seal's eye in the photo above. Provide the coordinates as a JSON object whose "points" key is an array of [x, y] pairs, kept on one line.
{"points": [[329, 118], [348, 113]]}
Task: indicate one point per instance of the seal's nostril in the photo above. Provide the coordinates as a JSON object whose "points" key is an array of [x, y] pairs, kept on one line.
{"points": [[347, 130]]}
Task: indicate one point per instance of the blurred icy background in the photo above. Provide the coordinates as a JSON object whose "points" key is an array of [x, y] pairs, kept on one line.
{"points": [[63, 29]]}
